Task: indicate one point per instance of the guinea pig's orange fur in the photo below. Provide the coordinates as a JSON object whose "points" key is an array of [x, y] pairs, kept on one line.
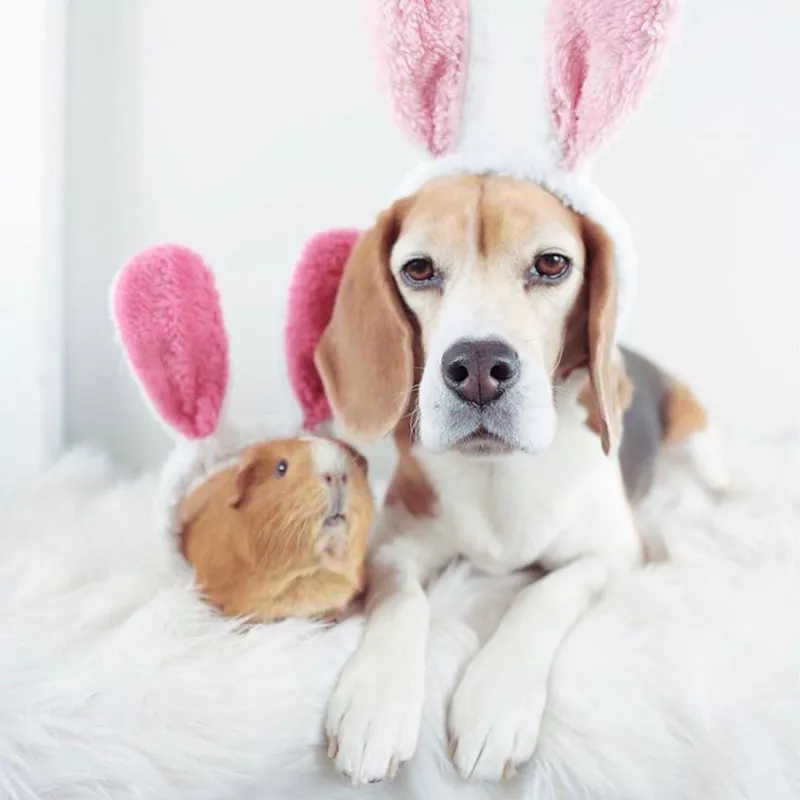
{"points": [[257, 541]]}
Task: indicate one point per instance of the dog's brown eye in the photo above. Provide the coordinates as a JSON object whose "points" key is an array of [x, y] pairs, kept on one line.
{"points": [[419, 271], [281, 467], [550, 266]]}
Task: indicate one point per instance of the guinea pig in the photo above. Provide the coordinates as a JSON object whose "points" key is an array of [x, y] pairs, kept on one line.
{"points": [[282, 530]]}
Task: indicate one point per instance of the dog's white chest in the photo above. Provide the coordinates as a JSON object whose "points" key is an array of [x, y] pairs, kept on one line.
{"points": [[507, 524], [505, 514]]}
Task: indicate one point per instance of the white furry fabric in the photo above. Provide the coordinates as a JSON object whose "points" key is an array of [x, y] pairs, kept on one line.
{"points": [[117, 682]]}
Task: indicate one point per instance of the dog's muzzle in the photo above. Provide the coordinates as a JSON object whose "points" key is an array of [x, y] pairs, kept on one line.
{"points": [[477, 374]]}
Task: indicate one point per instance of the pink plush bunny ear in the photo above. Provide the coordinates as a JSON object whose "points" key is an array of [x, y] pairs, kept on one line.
{"points": [[422, 50], [168, 314], [312, 295], [600, 58]]}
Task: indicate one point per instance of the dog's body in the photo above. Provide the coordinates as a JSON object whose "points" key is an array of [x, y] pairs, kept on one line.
{"points": [[503, 302]]}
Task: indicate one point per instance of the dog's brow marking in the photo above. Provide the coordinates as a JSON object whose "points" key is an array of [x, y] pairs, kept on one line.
{"points": [[481, 221]]}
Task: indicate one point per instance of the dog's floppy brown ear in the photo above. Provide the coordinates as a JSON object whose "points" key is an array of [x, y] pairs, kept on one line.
{"points": [[366, 356], [604, 371]]}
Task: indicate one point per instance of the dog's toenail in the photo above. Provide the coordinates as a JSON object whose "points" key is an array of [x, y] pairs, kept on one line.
{"points": [[333, 747], [509, 770], [451, 748]]}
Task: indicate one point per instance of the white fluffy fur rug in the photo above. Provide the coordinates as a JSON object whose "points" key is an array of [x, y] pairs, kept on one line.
{"points": [[117, 682]]}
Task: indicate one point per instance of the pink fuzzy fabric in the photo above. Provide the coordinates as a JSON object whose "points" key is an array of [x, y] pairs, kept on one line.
{"points": [[422, 48], [600, 57], [312, 295], [168, 313]]}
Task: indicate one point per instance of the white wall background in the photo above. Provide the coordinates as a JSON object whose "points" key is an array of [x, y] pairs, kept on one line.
{"points": [[240, 128], [32, 69]]}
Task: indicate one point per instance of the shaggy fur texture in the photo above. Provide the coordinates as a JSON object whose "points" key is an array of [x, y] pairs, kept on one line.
{"points": [[168, 315], [421, 50], [116, 681], [312, 295], [600, 57]]}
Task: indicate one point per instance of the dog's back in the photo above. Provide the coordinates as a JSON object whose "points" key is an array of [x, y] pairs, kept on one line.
{"points": [[665, 413]]}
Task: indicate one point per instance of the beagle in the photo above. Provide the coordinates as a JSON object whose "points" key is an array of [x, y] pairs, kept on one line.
{"points": [[476, 323]]}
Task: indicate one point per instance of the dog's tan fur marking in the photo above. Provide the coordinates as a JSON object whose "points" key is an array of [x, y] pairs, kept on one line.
{"points": [[624, 395], [368, 342], [410, 487], [682, 414]]}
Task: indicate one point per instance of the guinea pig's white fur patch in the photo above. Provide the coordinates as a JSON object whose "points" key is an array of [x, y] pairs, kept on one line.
{"points": [[328, 457]]}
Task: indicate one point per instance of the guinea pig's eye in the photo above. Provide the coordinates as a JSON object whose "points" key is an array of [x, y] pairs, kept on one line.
{"points": [[281, 467]]}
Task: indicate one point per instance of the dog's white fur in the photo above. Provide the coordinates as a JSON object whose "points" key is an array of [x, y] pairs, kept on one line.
{"points": [[116, 681]]}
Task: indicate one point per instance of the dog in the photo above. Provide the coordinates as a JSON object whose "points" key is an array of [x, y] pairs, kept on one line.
{"points": [[476, 323]]}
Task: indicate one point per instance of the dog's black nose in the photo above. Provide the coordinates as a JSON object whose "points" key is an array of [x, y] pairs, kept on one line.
{"points": [[480, 371]]}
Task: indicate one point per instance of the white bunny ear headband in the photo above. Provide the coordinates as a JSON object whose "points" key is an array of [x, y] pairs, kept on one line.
{"points": [[169, 320], [524, 88], [501, 80]]}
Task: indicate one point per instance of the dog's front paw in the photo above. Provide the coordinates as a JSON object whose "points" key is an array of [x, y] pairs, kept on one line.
{"points": [[374, 716], [495, 716]]}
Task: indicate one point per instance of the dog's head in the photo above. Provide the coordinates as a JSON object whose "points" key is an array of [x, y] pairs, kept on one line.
{"points": [[467, 306]]}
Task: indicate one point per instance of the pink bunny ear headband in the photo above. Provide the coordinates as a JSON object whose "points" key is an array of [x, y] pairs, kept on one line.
{"points": [[169, 321], [496, 87]]}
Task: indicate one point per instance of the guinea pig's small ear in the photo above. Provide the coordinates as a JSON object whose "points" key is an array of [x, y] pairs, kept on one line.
{"points": [[312, 295], [600, 59], [247, 475], [366, 357], [168, 316], [422, 49]]}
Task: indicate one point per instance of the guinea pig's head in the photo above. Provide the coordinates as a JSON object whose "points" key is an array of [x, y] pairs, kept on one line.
{"points": [[269, 506]]}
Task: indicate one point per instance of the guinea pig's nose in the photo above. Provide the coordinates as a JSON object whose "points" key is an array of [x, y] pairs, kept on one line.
{"points": [[336, 480], [336, 484], [479, 371]]}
